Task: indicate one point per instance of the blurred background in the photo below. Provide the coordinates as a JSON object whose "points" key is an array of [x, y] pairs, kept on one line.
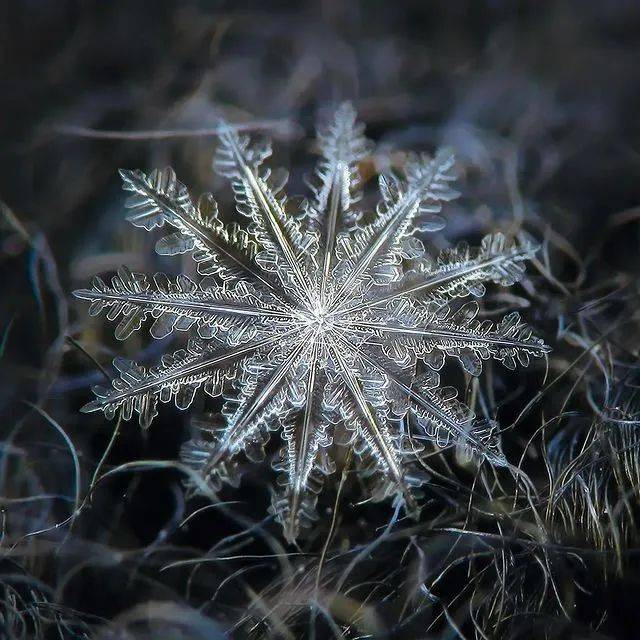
{"points": [[539, 101]]}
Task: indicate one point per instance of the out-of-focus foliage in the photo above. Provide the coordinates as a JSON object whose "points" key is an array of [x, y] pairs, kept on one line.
{"points": [[539, 102]]}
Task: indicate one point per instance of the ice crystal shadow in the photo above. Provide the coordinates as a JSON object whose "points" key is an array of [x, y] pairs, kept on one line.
{"points": [[315, 322]]}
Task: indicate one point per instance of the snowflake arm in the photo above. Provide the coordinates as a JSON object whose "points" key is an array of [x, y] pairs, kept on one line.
{"points": [[342, 145], [459, 273], [303, 461], [459, 335], [376, 436], [159, 198], [178, 377], [406, 205], [444, 419], [265, 392], [257, 199], [180, 304]]}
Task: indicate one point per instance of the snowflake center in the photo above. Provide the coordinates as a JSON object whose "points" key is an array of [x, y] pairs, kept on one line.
{"points": [[320, 318]]}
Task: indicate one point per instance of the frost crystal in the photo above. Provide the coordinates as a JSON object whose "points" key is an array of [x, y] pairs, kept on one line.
{"points": [[312, 322]]}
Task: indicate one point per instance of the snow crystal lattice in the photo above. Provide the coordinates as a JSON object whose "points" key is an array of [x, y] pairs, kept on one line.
{"points": [[313, 324]]}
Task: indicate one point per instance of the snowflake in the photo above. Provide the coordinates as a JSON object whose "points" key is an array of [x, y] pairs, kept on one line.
{"points": [[314, 322]]}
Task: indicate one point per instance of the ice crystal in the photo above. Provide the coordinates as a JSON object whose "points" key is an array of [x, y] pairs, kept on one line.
{"points": [[314, 322]]}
